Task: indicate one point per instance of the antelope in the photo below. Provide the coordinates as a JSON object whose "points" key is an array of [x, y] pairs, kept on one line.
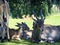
{"points": [[4, 12], [48, 33], [14, 34], [26, 33], [18, 33], [36, 28]]}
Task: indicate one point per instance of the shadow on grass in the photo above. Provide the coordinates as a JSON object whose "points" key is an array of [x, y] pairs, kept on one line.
{"points": [[24, 42], [28, 42]]}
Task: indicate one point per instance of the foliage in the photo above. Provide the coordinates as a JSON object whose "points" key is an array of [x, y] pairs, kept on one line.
{"points": [[24, 7], [19, 7], [49, 3]]}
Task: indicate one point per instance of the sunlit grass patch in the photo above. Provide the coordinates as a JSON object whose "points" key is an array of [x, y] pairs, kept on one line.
{"points": [[13, 22], [53, 19]]}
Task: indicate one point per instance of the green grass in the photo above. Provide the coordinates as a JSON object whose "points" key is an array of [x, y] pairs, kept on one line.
{"points": [[53, 19], [25, 42], [13, 22]]}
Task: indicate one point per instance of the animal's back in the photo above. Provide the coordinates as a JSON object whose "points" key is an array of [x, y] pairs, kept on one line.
{"points": [[51, 31]]}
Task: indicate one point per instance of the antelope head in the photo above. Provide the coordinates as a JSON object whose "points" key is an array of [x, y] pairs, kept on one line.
{"points": [[23, 25], [38, 22]]}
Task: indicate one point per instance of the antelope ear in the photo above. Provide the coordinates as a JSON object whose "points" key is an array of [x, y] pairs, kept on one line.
{"points": [[34, 19], [37, 18], [18, 23], [44, 18]]}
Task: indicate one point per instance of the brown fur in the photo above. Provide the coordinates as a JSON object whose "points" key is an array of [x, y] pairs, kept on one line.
{"points": [[14, 33]]}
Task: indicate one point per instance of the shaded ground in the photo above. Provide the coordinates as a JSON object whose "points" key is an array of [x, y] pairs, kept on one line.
{"points": [[25, 42]]}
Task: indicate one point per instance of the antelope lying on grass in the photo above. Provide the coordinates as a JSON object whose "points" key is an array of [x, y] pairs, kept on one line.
{"points": [[48, 33], [26, 33], [18, 33], [36, 30], [15, 34]]}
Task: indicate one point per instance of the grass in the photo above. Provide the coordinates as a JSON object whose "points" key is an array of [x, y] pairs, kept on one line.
{"points": [[13, 22], [53, 19], [26, 42]]}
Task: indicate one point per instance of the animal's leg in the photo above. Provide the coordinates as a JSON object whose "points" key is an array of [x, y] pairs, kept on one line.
{"points": [[13, 36], [50, 40], [3, 35], [8, 34], [43, 40], [18, 37]]}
